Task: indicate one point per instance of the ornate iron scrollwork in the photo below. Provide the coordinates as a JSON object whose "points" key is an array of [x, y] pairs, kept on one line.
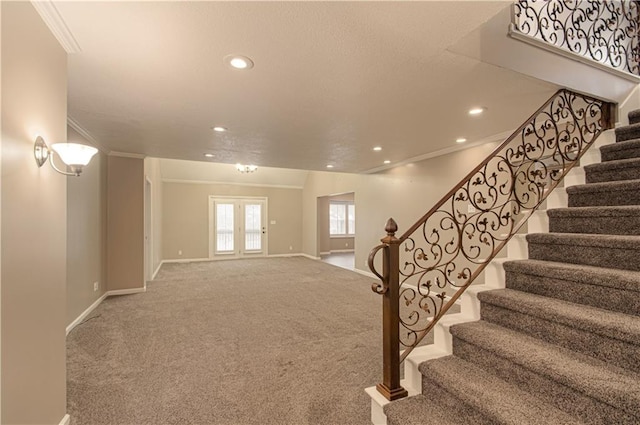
{"points": [[448, 248], [602, 30]]}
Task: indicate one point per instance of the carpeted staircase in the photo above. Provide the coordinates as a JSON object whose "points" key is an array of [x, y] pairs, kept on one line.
{"points": [[561, 343]]}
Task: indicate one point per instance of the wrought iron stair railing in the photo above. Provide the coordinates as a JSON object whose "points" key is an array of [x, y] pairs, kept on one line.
{"points": [[444, 251]]}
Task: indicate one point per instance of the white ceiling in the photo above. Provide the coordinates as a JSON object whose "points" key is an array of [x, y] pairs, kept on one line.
{"points": [[331, 80], [203, 172]]}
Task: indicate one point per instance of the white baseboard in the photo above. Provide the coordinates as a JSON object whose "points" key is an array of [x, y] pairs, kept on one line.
{"points": [[293, 254], [66, 420], [126, 291], [97, 302], [337, 251], [325, 253], [365, 273], [85, 313], [311, 257], [185, 260], [155, 273]]}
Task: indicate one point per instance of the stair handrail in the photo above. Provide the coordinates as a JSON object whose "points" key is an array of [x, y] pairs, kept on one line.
{"points": [[466, 229]]}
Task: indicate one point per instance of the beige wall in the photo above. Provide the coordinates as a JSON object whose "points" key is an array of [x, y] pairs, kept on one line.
{"points": [[323, 242], [86, 233], [34, 223], [152, 172], [186, 222], [341, 244], [404, 193], [125, 223]]}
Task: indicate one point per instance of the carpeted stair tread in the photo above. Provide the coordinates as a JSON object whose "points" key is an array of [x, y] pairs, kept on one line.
{"points": [[601, 287], [494, 398], [628, 132], [591, 275], [615, 220], [626, 192], [595, 320], [615, 251], [606, 335], [634, 116], [586, 239], [620, 150], [604, 187], [606, 383], [622, 169], [419, 409]]}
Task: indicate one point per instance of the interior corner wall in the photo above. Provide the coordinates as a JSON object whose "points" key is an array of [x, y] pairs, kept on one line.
{"points": [[324, 242], [153, 173], [34, 222], [86, 233], [125, 223], [186, 217]]}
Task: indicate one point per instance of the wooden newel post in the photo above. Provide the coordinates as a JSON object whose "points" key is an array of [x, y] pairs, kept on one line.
{"points": [[390, 386]]}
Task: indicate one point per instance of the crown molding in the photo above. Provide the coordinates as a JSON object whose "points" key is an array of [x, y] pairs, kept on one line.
{"points": [[58, 27], [460, 147], [71, 122], [127, 155], [275, 186]]}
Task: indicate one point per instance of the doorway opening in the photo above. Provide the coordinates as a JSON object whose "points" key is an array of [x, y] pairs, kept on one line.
{"points": [[337, 229]]}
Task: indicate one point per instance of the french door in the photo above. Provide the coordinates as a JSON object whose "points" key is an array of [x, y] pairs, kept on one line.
{"points": [[237, 227]]}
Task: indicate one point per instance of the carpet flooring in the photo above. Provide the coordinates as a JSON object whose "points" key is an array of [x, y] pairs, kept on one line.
{"points": [[259, 341]]}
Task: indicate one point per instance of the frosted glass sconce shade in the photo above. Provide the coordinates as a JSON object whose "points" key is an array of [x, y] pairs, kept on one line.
{"points": [[74, 155]]}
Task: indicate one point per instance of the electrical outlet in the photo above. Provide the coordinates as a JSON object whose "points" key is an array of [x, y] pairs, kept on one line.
{"points": [[96, 286], [179, 252], [290, 248]]}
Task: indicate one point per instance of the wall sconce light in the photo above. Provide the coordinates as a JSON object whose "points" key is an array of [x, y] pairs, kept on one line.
{"points": [[74, 155], [246, 168]]}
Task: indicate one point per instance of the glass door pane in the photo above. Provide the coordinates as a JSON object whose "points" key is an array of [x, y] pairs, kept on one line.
{"points": [[224, 227], [252, 227]]}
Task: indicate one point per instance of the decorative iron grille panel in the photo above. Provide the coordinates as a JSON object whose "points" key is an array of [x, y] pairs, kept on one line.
{"points": [[441, 254], [600, 30]]}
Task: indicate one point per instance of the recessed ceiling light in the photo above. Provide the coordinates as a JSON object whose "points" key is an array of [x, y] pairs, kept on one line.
{"points": [[209, 155], [220, 129], [476, 111], [329, 166], [461, 140], [387, 162], [238, 61], [377, 148]]}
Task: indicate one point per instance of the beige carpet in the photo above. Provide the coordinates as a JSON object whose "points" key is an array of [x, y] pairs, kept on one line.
{"points": [[260, 341]]}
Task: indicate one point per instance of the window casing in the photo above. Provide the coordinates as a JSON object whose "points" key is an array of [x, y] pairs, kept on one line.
{"points": [[342, 218]]}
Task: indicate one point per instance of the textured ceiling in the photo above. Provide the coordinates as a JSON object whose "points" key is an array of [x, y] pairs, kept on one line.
{"points": [[331, 80]]}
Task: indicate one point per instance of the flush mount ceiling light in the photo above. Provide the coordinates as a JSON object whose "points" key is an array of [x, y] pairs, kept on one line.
{"points": [[461, 140], [377, 148], [209, 155], [74, 155], [238, 62], [387, 162], [476, 111], [246, 168], [219, 129], [329, 166]]}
